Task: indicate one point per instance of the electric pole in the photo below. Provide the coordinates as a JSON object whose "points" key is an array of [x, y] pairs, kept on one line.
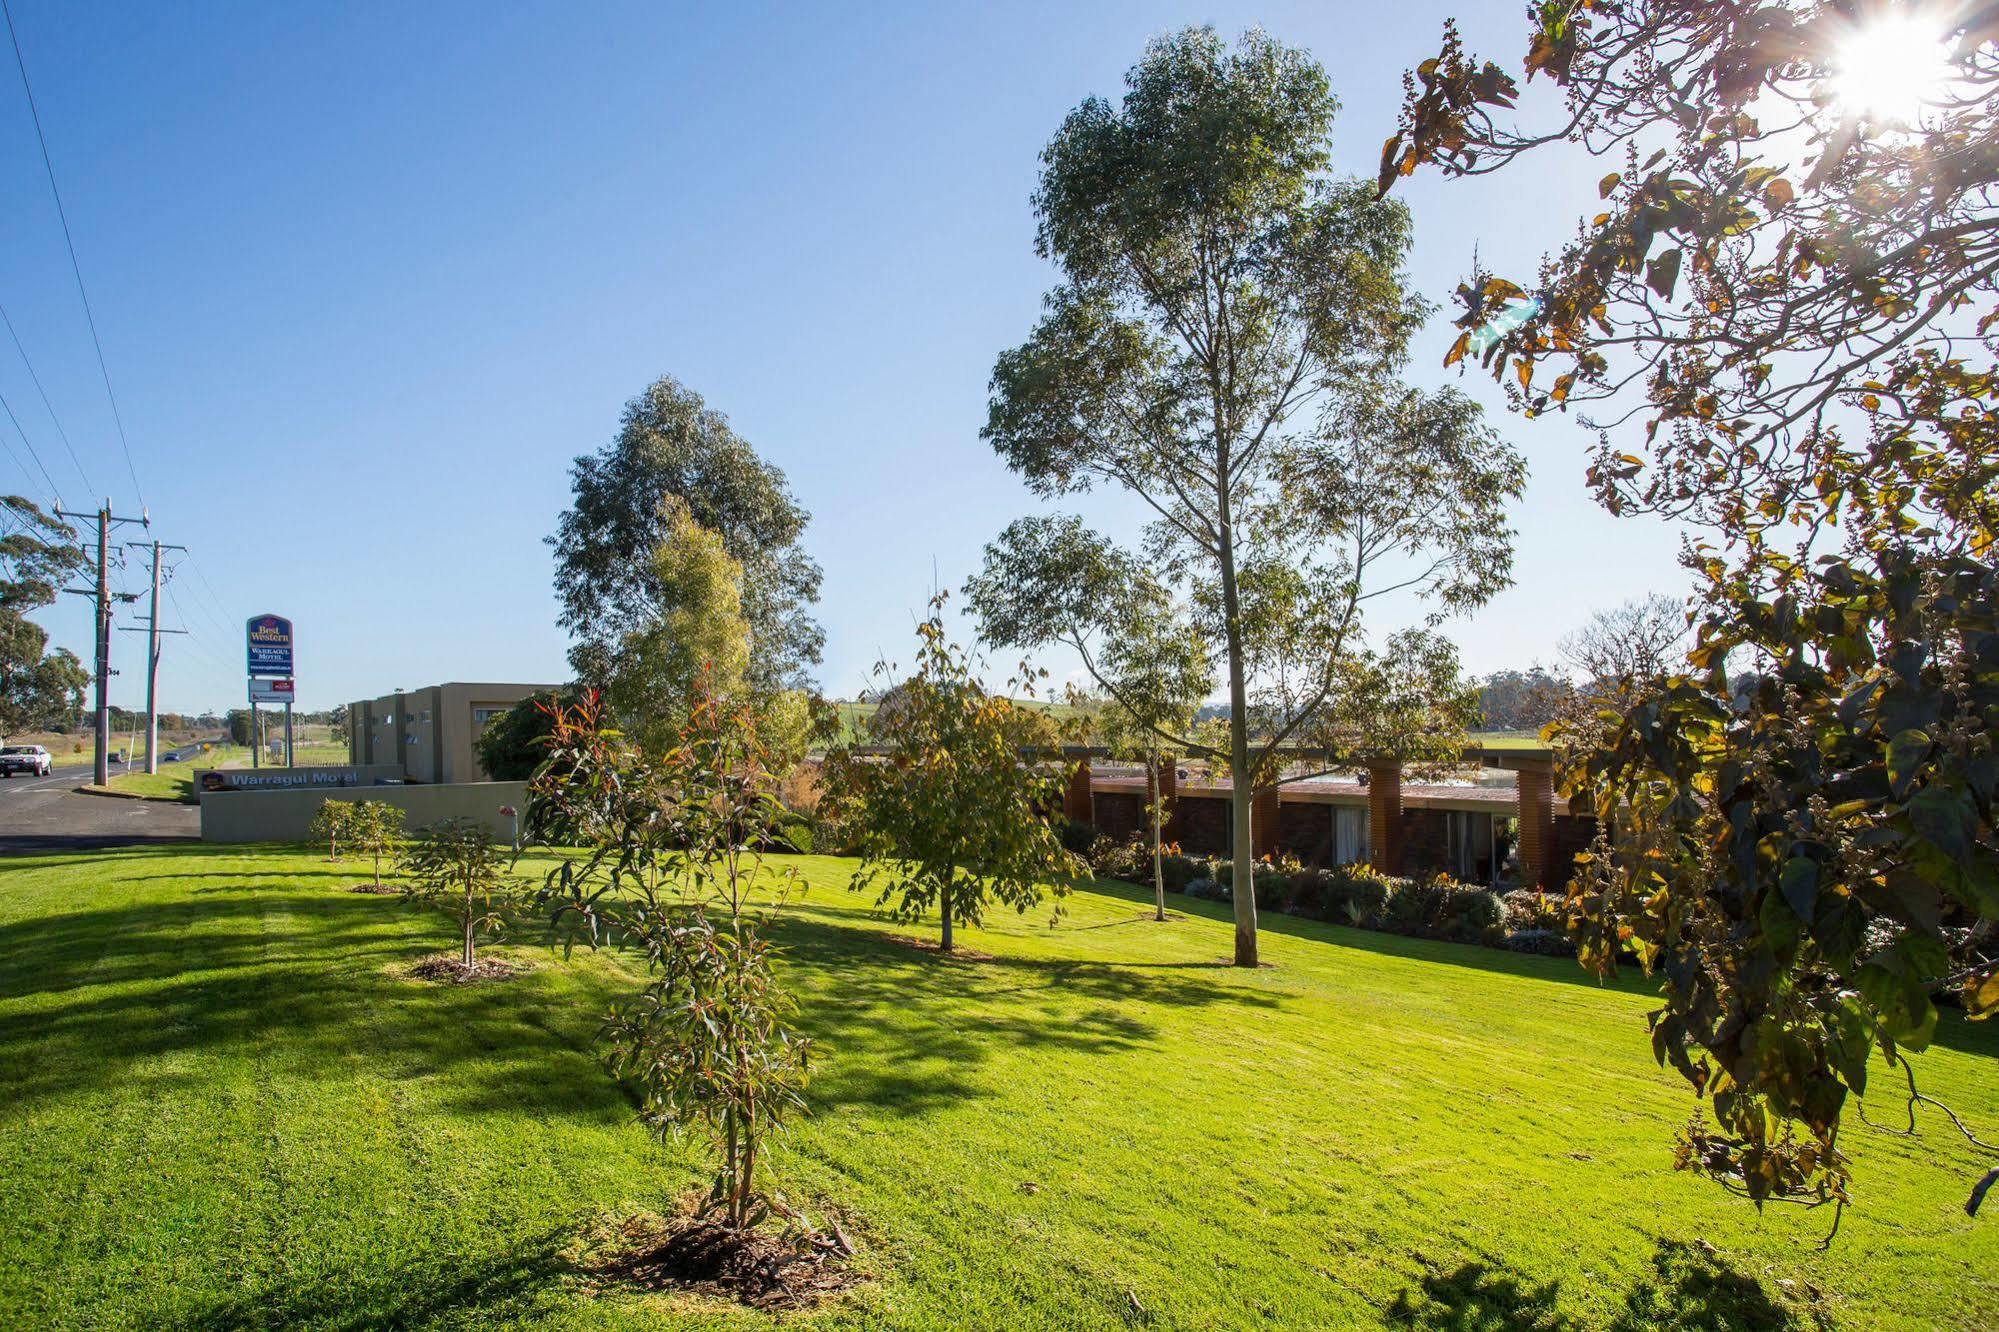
{"points": [[106, 520], [153, 632]]}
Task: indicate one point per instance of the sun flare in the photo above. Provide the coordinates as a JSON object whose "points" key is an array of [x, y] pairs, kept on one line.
{"points": [[1891, 68]]}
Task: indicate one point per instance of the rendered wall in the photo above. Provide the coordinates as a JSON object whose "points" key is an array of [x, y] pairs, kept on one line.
{"points": [[286, 816]]}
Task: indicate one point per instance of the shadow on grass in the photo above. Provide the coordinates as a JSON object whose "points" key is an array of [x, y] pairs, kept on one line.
{"points": [[1693, 1289], [251, 959], [516, 1283], [108, 996], [929, 1023], [1953, 1032]]}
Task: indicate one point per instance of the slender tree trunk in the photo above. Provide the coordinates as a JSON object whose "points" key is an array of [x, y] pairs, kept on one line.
{"points": [[378, 869], [729, 1167], [945, 900], [468, 929], [1244, 876], [1158, 852]]}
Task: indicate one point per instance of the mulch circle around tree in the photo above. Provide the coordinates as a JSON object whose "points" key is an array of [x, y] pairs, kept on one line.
{"points": [[958, 954], [763, 1269], [375, 890], [451, 970]]}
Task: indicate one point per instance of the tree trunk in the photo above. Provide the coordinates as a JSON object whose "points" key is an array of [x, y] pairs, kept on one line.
{"points": [[945, 899], [468, 931], [1244, 876], [1158, 852]]}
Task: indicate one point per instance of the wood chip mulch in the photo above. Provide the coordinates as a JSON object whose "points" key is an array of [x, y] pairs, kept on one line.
{"points": [[448, 968], [763, 1269]]}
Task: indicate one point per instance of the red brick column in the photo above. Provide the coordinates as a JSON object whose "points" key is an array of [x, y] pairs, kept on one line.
{"points": [[1263, 822], [1537, 829], [1384, 816], [1077, 803]]}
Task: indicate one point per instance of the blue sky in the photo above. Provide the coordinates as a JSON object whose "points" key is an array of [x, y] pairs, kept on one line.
{"points": [[368, 277]]}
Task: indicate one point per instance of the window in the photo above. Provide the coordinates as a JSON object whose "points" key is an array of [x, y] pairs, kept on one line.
{"points": [[1350, 834], [481, 716]]}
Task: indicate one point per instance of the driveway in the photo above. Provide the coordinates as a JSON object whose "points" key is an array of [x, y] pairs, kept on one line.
{"points": [[43, 814]]}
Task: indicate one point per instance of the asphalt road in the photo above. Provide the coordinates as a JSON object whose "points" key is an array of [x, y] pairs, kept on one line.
{"points": [[43, 814]]}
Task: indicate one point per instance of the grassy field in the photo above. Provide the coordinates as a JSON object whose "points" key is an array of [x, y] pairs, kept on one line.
{"points": [[175, 781], [854, 716], [227, 1108]]}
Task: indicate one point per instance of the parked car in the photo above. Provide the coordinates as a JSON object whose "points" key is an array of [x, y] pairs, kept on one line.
{"points": [[31, 760]]}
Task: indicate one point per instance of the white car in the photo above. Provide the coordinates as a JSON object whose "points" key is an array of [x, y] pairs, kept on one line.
{"points": [[30, 759]]}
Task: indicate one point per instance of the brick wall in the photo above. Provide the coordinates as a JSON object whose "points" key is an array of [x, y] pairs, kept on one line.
{"points": [[1121, 815], [1306, 831], [1204, 826]]}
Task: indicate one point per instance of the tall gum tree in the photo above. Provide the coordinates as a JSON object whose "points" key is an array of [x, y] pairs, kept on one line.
{"points": [[1225, 345], [671, 446]]}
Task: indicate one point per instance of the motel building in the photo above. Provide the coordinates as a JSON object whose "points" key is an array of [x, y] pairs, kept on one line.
{"points": [[1469, 827], [429, 732]]}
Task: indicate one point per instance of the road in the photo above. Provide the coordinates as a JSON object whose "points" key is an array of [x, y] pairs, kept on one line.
{"points": [[43, 814]]}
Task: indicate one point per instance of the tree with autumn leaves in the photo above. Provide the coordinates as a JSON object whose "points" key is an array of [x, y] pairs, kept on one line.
{"points": [[1779, 331]]}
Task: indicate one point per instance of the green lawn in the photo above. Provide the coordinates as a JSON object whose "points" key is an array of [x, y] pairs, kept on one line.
{"points": [[226, 1109], [175, 781]]}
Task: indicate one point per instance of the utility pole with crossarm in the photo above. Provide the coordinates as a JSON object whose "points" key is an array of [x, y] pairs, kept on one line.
{"points": [[153, 632], [105, 520]]}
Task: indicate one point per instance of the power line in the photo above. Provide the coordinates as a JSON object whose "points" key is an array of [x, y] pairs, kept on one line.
{"points": [[17, 459], [54, 489], [47, 406], [48, 165]]}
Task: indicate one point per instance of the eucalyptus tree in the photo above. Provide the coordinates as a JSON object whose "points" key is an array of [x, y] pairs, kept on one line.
{"points": [[38, 551], [672, 445], [1225, 345]]}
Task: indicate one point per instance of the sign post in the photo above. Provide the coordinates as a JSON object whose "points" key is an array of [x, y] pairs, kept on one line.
{"points": [[268, 648]]}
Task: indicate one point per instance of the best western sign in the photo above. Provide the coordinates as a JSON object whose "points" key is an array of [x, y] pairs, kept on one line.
{"points": [[270, 645]]}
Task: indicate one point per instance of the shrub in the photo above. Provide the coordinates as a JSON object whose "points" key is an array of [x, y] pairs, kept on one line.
{"points": [[1357, 895], [1547, 943], [1414, 907], [1273, 887], [1210, 890], [1078, 837], [1529, 909], [1442, 908], [1310, 894], [793, 833], [1179, 871], [1111, 859], [1472, 915]]}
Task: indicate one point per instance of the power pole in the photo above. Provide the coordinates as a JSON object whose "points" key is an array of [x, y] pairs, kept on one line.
{"points": [[106, 520], [153, 632]]}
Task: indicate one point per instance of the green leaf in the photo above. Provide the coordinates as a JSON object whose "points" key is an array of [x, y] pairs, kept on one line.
{"points": [[1946, 818], [1662, 275], [1799, 884], [1906, 753], [1780, 924]]}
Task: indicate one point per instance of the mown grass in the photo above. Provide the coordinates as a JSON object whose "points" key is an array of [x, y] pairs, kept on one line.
{"points": [[175, 781], [228, 1109]]}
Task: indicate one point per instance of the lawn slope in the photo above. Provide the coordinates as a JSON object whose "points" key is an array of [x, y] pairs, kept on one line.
{"points": [[227, 1109]]}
